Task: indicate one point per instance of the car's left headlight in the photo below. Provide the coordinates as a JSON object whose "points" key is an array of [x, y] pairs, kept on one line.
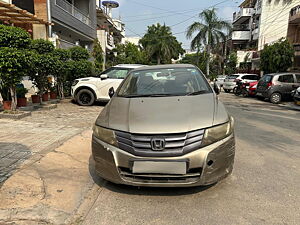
{"points": [[218, 133], [105, 135]]}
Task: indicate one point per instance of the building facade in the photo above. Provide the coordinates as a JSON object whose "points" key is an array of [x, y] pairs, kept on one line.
{"points": [[262, 22], [110, 31]]}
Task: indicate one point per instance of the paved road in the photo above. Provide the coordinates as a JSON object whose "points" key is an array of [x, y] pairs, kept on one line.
{"points": [[263, 189]]}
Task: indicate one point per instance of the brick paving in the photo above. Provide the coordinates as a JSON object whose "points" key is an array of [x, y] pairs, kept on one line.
{"points": [[21, 139]]}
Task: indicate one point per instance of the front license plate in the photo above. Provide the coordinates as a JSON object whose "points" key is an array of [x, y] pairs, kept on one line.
{"points": [[159, 167], [258, 93]]}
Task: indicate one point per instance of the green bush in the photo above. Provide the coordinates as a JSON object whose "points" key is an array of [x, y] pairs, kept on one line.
{"points": [[14, 37], [62, 54], [21, 92], [277, 57], [79, 53], [42, 46]]}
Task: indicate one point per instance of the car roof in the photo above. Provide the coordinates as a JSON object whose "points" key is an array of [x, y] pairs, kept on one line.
{"points": [[282, 73], [242, 74], [131, 66], [166, 66]]}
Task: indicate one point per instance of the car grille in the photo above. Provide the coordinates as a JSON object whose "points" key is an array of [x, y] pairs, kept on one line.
{"points": [[192, 176], [175, 144]]}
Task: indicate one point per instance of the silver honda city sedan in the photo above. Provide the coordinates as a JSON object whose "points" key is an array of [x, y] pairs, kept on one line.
{"points": [[164, 126]]}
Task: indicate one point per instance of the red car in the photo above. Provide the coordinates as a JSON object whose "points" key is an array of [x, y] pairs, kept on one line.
{"points": [[252, 88]]}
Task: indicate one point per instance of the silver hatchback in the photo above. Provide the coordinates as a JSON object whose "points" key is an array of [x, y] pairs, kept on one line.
{"points": [[164, 126]]}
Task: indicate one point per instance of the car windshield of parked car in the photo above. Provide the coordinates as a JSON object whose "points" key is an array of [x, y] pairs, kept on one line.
{"points": [[232, 76], [116, 73], [164, 82], [266, 78]]}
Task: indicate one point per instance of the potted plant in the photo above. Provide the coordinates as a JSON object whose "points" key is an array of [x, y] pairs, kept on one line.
{"points": [[45, 97], [5, 96], [15, 59], [53, 92], [21, 99]]}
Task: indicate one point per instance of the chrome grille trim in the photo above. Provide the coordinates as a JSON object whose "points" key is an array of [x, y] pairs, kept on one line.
{"points": [[176, 144]]}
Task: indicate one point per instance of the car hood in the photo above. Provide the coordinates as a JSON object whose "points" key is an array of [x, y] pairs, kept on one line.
{"points": [[87, 79], [159, 115]]}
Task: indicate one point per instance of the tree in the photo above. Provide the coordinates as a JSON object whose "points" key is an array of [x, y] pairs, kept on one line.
{"points": [[209, 32], [14, 37], [42, 46], [160, 44], [197, 59], [14, 58], [230, 64], [129, 53], [79, 53], [98, 56], [45, 65], [277, 57], [62, 69], [14, 64]]}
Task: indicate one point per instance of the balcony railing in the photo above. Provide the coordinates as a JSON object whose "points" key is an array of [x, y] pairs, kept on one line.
{"points": [[241, 35], [71, 9], [244, 12]]}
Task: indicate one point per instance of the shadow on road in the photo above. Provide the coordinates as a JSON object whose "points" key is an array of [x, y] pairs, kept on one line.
{"points": [[11, 157], [151, 191]]}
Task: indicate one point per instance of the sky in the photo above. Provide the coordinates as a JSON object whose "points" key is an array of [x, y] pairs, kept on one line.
{"points": [[138, 14]]}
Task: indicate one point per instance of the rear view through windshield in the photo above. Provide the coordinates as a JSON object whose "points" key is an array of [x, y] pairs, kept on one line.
{"points": [[164, 82]]}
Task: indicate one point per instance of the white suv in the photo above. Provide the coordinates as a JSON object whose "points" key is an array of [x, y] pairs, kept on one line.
{"points": [[86, 91], [230, 81]]}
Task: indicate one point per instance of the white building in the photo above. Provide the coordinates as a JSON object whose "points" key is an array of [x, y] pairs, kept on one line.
{"points": [[133, 40], [261, 22]]}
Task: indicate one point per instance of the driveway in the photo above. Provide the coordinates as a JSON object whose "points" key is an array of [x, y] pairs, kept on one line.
{"points": [[41, 133]]}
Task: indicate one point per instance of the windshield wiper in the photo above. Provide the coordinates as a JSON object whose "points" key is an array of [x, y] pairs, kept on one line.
{"points": [[197, 92], [148, 95]]}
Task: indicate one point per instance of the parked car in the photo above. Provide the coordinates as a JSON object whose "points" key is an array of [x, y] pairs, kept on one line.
{"points": [[277, 86], [164, 126], [252, 88], [86, 91], [297, 96], [230, 81], [220, 80]]}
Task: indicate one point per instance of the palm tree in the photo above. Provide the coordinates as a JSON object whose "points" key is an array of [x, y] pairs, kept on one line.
{"points": [[160, 44], [209, 32]]}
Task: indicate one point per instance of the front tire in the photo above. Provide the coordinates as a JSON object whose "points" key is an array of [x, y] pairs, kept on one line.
{"points": [[275, 98], [85, 97]]}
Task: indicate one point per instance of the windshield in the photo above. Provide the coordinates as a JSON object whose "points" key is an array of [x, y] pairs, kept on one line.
{"points": [[232, 76], [164, 82], [267, 78], [116, 72]]}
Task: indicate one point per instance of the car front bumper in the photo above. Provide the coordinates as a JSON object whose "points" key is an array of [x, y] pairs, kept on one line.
{"points": [[205, 166], [229, 86]]}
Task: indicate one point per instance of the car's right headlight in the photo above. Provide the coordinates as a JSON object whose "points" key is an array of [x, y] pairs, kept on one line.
{"points": [[218, 133], [105, 135]]}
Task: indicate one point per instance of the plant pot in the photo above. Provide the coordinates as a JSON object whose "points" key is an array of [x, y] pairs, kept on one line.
{"points": [[22, 102], [45, 97], [35, 98], [53, 95], [7, 105]]}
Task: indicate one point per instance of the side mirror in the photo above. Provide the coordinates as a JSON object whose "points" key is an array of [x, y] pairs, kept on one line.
{"points": [[111, 92], [216, 89], [103, 76]]}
